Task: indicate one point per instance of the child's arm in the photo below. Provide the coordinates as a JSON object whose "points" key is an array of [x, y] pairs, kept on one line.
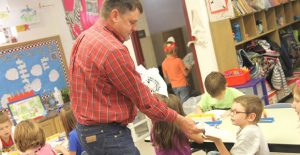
{"points": [[219, 144], [61, 149], [196, 138]]}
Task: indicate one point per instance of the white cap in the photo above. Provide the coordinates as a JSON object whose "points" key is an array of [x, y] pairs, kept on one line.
{"points": [[171, 39]]}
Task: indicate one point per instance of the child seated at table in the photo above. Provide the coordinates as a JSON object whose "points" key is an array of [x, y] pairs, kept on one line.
{"points": [[296, 94], [218, 96], [6, 133], [246, 111], [30, 139], [69, 123], [166, 137]]}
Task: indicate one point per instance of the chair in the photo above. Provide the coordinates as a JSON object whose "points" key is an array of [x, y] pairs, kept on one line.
{"points": [[278, 105]]}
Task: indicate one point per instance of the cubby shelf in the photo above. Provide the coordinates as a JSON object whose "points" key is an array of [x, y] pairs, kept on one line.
{"points": [[272, 20]]}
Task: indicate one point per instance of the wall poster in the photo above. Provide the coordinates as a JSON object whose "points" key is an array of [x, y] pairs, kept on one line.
{"points": [[81, 14], [219, 9], [37, 65]]}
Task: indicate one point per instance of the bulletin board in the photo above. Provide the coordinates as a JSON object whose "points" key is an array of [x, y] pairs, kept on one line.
{"points": [[37, 65]]}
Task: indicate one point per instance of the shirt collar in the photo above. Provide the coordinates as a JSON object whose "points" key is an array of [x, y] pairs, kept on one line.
{"points": [[104, 24], [171, 57]]}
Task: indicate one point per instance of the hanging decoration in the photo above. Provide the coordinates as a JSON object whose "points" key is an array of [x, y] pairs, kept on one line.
{"points": [[81, 14]]}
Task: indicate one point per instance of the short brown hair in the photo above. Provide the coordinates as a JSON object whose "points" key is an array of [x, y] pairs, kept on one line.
{"points": [[67, 118], [215, 83], [4, 117], [252, 104], [28, 135], [122, 5]]}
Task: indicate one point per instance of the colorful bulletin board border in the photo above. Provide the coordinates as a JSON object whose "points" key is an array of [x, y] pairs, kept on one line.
{"points": [[37, 65]]}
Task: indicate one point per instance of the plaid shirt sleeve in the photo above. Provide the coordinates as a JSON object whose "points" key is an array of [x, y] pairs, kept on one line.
{"points": [[122, 74]]}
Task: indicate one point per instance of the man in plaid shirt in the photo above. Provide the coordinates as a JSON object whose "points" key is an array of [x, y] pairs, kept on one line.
{"points": [[105, 88]]}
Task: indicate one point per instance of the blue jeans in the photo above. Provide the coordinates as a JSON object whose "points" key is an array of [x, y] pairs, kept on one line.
{"points": [[106, 139], [182, 92]]}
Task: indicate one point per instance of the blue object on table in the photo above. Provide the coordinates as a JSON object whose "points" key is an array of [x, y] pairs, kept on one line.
{"points": [[266, 120], [214, 123]]}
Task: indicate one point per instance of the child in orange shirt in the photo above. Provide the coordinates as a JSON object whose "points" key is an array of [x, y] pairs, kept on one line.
{"points": [[175, 71]]}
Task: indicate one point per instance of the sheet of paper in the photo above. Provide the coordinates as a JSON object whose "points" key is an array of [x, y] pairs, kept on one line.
{"points": [[216, 132]]}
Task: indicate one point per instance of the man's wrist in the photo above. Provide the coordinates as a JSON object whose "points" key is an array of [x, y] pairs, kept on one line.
{"points": [[178, 119]]}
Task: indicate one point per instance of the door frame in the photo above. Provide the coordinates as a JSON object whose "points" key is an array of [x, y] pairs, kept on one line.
{"points": [[139, 54], [192, 46]]}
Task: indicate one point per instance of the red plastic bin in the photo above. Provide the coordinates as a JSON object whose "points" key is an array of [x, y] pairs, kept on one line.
{"points": [[236, 76]]}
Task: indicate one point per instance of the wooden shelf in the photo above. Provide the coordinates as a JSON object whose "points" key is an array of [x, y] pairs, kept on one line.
{"points": [[288, 24], [222, 34], [255, 37]]}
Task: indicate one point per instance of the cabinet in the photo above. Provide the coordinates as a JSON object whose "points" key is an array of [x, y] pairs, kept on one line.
{"points": [[48, 127], [272, 20], [51, 125], [257, 87], [140, 127]]}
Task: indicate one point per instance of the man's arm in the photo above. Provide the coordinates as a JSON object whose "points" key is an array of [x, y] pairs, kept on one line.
{"points": [[124, 77], [187, 125]]}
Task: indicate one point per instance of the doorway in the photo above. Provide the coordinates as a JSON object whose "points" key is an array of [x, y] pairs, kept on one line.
{"points": [[160, 25]]}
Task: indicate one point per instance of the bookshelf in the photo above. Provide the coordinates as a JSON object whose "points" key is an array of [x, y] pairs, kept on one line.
{"points": [[222, 34], [272, 20]]}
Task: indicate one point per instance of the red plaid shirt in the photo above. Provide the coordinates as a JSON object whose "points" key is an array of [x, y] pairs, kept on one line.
{"points": [[104, 84]]}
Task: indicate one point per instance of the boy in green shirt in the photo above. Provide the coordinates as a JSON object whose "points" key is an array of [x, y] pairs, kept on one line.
{"points": [[217, 95]]}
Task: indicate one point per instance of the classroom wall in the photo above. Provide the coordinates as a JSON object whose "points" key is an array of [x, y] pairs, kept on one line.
{"points": [[163, 15], [146, 43], [52, 22], [205, 54]]}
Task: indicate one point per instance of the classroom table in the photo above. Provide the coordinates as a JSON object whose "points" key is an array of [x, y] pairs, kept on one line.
{"points": [[282, 135]]}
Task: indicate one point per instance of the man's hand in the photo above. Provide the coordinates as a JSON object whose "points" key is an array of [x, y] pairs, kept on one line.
{"points": [[187, 125]]}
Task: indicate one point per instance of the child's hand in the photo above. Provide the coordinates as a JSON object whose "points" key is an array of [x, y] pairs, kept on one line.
{"points": [[187, 125], [211, 138], [60, 149]]}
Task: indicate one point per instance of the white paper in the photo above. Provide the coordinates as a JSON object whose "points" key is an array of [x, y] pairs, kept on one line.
{"points": [[216, 132]]}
